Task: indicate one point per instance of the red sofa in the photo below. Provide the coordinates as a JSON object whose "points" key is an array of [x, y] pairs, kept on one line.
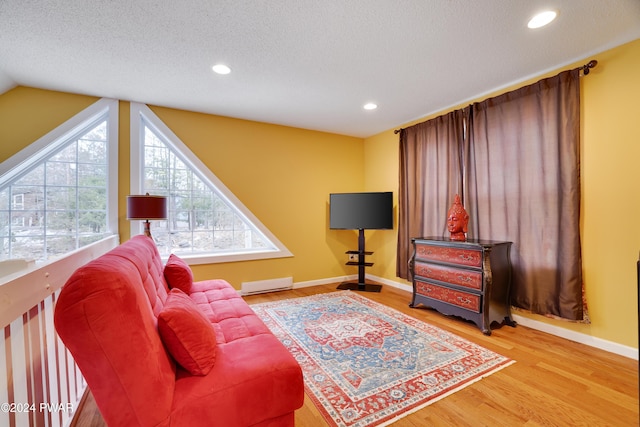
{"points": [[155, 356]]}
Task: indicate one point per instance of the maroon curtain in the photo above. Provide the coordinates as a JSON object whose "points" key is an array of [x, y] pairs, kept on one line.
{"points": [[430, 176], [523, 179], [514, 159]]}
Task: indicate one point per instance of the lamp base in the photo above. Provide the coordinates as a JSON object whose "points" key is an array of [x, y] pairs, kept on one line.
{"points": [[147, 228]]}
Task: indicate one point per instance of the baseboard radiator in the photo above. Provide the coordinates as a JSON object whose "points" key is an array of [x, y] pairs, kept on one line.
{"points": [[263, 286]]}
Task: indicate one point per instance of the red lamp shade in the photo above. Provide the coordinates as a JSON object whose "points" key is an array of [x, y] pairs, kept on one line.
{"points": [[146, 207]]}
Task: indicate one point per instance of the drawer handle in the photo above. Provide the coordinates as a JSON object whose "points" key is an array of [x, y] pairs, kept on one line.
{"points": [[464, 300]]}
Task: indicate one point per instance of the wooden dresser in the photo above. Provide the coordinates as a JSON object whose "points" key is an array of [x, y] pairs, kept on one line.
{"points": [[469, 279]]}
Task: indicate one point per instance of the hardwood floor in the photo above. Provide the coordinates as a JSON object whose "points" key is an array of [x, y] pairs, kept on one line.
{"points": [[554, 382]]}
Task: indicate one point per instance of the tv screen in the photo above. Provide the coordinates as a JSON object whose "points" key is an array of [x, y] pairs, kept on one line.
{"points": [[355, 211]]}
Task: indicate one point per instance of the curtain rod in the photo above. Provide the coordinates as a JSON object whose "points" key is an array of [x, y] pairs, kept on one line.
{"points": [[586, 68]]}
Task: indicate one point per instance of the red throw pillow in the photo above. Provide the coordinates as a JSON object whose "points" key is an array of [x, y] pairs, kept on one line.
{"points": [[187, 333], [178, 274]]}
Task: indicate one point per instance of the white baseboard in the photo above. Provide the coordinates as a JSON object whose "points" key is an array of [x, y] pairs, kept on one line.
{"points": [[579, 337], [398, 285], [589, 340], [325, 281]]}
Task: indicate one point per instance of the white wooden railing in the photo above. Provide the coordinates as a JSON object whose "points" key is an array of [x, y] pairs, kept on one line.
{"points": [[40, 384]]}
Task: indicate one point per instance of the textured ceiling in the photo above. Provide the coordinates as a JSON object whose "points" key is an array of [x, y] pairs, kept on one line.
{"points": [[304, 63]]}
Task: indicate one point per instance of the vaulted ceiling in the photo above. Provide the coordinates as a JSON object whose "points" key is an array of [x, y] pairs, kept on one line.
{"points": [[305, 63]]}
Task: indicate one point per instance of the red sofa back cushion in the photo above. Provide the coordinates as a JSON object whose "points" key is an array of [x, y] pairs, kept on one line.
{"points": [[107, 321], [178, 274]]}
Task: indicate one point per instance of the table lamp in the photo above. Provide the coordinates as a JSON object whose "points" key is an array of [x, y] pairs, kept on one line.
{"points": [[145, 208]]}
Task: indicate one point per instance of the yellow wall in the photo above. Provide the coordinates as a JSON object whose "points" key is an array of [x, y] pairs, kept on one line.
{"points": [[381, 174], [611, 193], [610, 172], [27, 114], [284, 175]]}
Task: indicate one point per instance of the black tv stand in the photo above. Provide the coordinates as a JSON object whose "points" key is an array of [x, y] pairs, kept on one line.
{"points": [[361, 285]]}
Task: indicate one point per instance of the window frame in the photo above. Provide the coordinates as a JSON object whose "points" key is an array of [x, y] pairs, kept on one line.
{"points": [[142, 113]]}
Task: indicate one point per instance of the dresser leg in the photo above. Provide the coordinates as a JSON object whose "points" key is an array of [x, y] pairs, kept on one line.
{"points": [[510, 322]]}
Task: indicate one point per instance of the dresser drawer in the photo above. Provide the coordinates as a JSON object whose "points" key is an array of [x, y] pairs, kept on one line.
{"points": [[460, 256], [458, 298], [458, 276]]}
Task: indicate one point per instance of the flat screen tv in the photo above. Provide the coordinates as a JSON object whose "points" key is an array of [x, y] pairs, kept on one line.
{"points": [[360, 211]]}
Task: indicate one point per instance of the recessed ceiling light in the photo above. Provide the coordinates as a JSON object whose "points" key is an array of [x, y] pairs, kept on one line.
{"points": [[221, 69], [370, 106], [542, 19]]}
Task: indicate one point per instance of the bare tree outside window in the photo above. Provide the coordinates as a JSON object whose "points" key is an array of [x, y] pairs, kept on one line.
{"points": [[200, 220], [206, 222], [59, 204]]}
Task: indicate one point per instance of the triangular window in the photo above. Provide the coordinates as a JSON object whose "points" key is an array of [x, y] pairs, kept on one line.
{"points": [[206, 222], [58, 194]]}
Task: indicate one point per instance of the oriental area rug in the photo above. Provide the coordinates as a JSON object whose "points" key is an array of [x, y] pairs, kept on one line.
{"points": [[366, 364]]}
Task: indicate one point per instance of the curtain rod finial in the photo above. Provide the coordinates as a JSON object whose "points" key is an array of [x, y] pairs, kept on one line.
{"points": [[587, 67]]}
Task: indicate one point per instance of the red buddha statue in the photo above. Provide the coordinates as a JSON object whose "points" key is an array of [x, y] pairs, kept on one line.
{"points": [[457, 220]]}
